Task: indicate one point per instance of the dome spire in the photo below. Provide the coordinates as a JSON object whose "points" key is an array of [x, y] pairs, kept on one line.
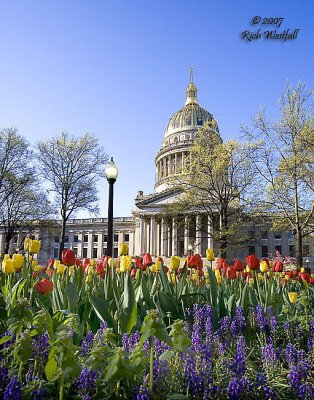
{"points": [[191, 91]]}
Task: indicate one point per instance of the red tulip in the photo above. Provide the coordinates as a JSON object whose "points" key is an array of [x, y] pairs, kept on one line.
{"points": [[147, 260], [68, 257], [306, 277], [160, 259], [238, 265], [100, 269], [44, 286], [166, 269], [50, 262], [86, 263], [253, 262], [278, 266], [222, 263], [312, 281], [137, 262], [105, 261], [78, 262], [133, 272], [231, 273], [288, 273], [199, 261]]}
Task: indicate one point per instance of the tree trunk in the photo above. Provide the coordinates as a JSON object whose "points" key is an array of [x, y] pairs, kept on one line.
{"points": [[298, 246], [222, 234], [62, 240]]}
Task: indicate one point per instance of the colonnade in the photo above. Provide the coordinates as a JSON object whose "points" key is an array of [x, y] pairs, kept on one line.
{"points": [[170, 164], [168, 237]]}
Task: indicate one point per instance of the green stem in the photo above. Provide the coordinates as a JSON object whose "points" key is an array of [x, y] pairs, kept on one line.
{"points": [[20, 371], [61, 390], [151, 360]]}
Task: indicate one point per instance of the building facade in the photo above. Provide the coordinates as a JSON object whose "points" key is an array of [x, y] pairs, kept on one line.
{"points": [[148, 230]]}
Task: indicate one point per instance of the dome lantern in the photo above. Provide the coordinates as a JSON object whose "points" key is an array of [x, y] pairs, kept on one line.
{"points": [[191, 91]]}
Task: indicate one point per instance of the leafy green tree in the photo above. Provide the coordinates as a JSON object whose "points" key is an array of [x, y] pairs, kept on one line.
{"points": [[215, 181], [283, 156], [72, 166]]}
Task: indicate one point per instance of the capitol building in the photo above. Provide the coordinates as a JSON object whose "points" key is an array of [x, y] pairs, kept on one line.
{"points": [[149, 229]]}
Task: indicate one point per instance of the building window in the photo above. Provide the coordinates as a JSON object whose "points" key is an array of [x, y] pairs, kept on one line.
{"points": [[115, 252], [306, 250], [57, 239], [104, 251], [95, 252], [251, 249], [66, 239], [278, 248], [56, 252], [75, 251], [264, 235], [115, 237], [292, 250], [95, 238], [15, 239], [75, 238], [84, 252], [105, 239], [85, 238], [277, 235], [126, 237], [265, 251]]}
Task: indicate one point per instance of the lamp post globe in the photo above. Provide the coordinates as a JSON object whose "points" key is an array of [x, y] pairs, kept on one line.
{"points": [[111, 174]]}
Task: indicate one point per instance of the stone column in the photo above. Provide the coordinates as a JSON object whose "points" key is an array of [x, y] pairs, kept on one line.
{"points": [[162, 238], [152, 232], [80, 244], [174, 247], [182, 162], [210, 241], [186, 234], [198, 234], [158, 252], [100, 244], [175, 164], [90, 245], [147, 223]]}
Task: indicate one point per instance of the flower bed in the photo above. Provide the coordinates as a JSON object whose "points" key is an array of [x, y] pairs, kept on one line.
{"points": [[133, 328]]}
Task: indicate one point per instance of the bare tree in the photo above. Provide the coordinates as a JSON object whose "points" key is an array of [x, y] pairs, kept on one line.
{"points": [[284, 159], [72, 166]]}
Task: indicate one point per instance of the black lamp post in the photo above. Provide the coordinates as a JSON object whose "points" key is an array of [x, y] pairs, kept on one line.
{"points": [[111, 173]]}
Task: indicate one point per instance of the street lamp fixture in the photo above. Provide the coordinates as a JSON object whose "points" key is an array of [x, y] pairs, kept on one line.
{"points": [[190, 249], [111, 174]]}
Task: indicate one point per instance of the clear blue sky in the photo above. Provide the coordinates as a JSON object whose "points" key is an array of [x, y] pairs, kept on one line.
{"points": [[119, 69]]}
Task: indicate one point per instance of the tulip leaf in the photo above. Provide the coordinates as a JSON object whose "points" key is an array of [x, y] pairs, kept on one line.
{"points": [[51, 370], [72, 296], [128, 315], [102, 310], [213, 287]]}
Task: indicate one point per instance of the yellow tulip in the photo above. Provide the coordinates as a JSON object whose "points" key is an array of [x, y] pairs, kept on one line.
{"points": [[207, 280], [93, 262], [34, 263], [219, 279], [88, 278], [260, 276], [27, 242], [155, 267], [210, 254], [90, 270], [287, 277], [263, 266], [247, 269], [302, 270], [251, 281], [171, 277], [125, 263], [37, 268], [18, 261], [34, 246], [293, 297], [56, 264], [8, 265], [124, 249], [71, 269], [174, 263], [60, 269], [217, 272]]}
